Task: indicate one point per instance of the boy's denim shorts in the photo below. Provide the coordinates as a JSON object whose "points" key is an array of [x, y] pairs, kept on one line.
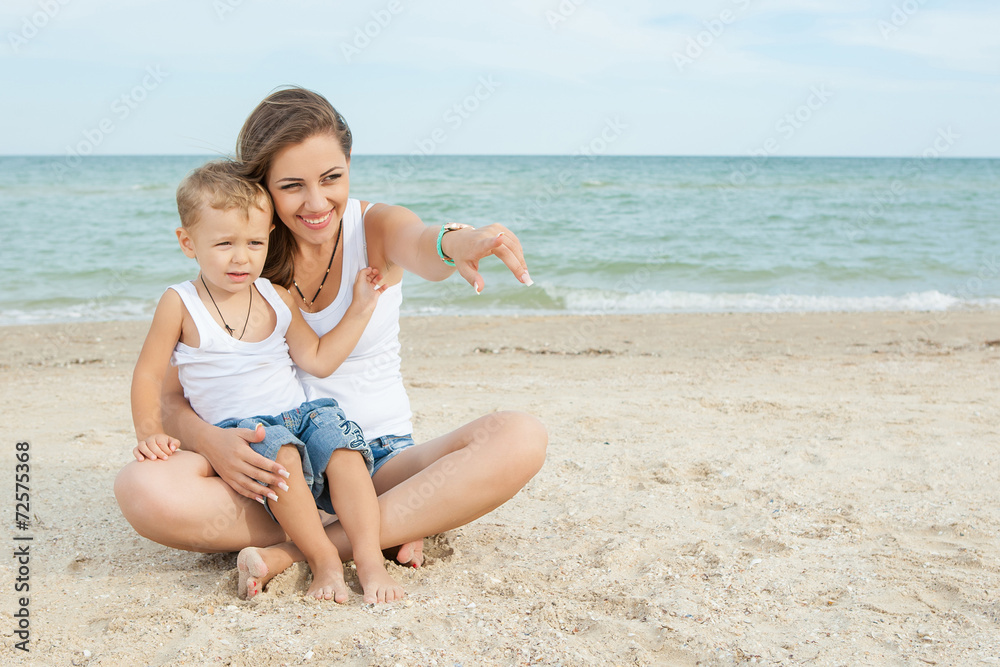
{"points": [[318, 428]]}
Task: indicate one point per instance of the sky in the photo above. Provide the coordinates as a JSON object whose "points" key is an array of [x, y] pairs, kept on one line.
{"points": [[522, 77]]}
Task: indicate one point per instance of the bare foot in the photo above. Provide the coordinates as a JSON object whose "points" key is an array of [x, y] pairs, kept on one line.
{"points": [[410, 554], [376, 583], [328, 581], [254, 573], [257, 566]]}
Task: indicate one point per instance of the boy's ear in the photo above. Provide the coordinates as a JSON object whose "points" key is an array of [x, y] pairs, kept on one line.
{"points": [[187, 245]]}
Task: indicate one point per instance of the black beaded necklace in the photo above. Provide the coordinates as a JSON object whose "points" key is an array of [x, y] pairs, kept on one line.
{"points": [[309, 304], [229, 329]]}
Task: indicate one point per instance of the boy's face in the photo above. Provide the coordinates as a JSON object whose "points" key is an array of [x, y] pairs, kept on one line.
{"points": [[230, 248]]}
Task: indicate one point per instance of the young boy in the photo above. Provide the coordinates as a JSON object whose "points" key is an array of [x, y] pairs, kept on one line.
{"points": [[234, 337]]}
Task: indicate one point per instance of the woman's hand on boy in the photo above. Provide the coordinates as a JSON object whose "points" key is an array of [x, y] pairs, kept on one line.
{"points": [[229, 453], [157, 446]]}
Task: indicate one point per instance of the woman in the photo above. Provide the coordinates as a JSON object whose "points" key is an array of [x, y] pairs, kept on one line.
{"points": [[202, 499]]}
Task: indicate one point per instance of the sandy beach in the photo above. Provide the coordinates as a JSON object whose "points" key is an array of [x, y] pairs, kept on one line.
{"points": [[719, 489]]}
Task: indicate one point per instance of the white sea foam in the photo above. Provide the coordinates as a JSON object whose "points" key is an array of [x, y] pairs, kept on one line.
{"points": [[599, 301], [80, 312], [560, 300]]}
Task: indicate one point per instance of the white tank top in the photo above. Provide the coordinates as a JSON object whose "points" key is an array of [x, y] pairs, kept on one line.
{"points": [[225, 378], [368, 385]]}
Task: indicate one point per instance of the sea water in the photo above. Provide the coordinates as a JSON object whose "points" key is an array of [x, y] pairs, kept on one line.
{"points": [[93, 238]]}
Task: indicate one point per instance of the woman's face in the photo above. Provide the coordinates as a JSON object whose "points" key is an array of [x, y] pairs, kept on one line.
{"points": [[309, 184]]}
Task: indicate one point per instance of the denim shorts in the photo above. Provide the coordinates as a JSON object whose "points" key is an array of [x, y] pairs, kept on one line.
{"points": [[386, 447], [317, 428]]}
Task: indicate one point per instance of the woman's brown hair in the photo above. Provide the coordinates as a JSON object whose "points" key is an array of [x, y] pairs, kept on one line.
{"points": [[285, 118]]}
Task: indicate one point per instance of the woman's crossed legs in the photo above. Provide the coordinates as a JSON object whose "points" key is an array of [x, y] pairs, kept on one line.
{"points": [[427, 489]]}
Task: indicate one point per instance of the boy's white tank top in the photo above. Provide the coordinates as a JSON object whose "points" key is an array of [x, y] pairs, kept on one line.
{"points": [[368, 385], [226, 378]]}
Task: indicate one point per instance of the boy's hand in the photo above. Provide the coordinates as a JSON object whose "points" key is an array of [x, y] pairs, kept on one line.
{"points": [[367, 288], [159, 446]]}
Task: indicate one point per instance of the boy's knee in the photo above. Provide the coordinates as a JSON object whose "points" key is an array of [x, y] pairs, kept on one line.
{"points": [[288, 456], [343, 454], [344, 459]]}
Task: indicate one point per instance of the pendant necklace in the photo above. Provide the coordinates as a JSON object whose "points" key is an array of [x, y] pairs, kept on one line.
{"points": [[229, 329], [336, 243]]}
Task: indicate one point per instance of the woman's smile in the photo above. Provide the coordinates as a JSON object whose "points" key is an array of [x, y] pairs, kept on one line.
{"points": [[316, 221], [309, 184]]}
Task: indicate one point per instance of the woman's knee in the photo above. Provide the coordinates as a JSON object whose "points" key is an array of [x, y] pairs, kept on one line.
{"points": [[530, 438], [176, 503], [142, 497], [522, 436]]}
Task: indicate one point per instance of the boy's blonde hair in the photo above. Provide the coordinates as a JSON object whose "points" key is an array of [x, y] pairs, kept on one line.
{"points": [[219, 185]]}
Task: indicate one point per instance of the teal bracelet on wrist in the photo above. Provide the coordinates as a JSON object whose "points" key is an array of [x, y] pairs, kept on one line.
{"points": [[445, 228], [444, 258]]}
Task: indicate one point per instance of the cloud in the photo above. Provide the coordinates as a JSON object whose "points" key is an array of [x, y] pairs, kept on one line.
{"points": [[563, 66], [962, 41]]}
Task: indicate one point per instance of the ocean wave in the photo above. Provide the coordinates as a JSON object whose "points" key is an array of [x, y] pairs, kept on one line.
{"points": [[553, 300], [107, 311], [600, 301], [561, 301]]}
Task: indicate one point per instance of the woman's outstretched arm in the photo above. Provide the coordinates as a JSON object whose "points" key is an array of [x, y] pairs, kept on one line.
{"points": [[399, 238]]}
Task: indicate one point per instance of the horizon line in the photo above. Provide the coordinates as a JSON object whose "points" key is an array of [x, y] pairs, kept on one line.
{"points": [[533, 155]]}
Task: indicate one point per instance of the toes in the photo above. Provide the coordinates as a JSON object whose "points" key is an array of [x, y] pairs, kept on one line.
{"points": [[251, 568], [381, 595], [323, 592], [417, 558], [252, 588], [411, 553], [336, 591]]}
